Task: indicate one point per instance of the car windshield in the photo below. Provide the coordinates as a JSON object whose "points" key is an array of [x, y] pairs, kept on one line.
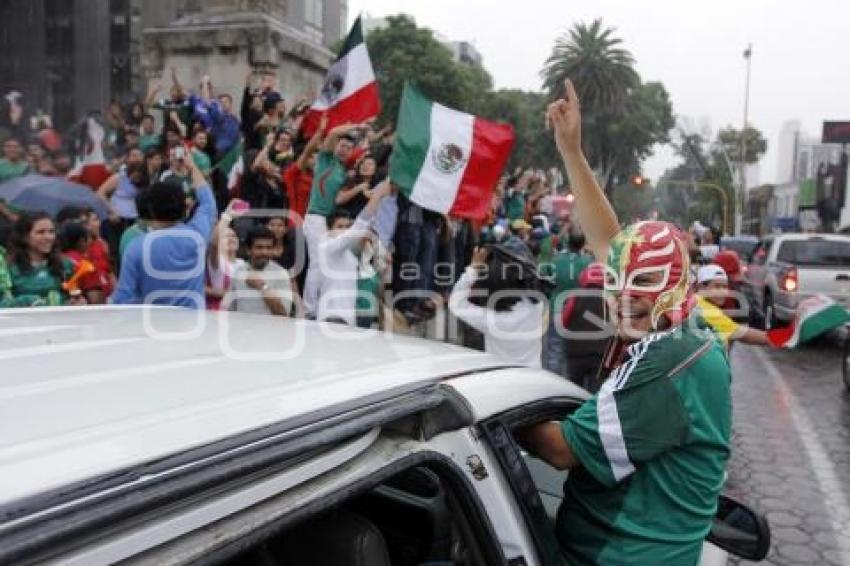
{"points": [[742, 247], [815, 252]]}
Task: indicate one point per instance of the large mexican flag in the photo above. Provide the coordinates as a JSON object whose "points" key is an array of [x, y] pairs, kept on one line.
{"points": [[815, 315], [350, 93], [445, 160]]}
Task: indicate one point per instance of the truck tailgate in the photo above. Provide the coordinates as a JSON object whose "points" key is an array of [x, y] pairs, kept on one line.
{"points": [[832, 282]]}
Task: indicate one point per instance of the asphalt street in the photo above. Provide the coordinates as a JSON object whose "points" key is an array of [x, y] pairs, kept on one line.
{"points": [[791, 449]]}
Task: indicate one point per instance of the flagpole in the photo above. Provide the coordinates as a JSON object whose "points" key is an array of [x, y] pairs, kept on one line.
{"points": [[739, 209]]}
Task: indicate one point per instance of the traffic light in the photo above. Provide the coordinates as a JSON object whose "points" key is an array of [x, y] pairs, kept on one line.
{"points": [[639, 181]]}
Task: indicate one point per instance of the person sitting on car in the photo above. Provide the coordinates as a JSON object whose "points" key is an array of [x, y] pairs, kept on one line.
{"points": [[647, 453]]}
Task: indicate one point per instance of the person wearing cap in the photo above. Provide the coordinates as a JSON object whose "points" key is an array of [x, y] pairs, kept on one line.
{"points": [[712, 293]]}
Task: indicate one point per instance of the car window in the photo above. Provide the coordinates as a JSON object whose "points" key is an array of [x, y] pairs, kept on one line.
{"points": [[537, 486], [815, 252], [742, 247], [760, 253], [419, 515]]}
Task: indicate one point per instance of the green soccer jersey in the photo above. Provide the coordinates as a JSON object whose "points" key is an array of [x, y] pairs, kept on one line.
{"points": [[368, 291], [564, 270], [328, 179], [202, 161], [36, 287], [653, 446], [515, 206]]}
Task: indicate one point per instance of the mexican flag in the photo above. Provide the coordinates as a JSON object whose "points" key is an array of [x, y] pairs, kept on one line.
{"points": [[90, 169], [445, 160], [815, 316], [350, 93], [232, 167]]}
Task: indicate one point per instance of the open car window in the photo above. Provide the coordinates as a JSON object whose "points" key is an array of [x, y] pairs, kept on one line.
{"points": [[537, 486]]}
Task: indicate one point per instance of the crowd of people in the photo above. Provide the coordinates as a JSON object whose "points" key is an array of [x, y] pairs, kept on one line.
{"points": [[313, 228], [223, 207]]}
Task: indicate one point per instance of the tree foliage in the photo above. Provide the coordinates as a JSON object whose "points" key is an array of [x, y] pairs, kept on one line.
{"points": [[402, 51], [707, 162], [524, 110], [623, 118], [590, 55], [755, 145]]}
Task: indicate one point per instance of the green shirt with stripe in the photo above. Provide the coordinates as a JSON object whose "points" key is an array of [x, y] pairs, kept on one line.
{"points": [[36, 287], [652, 446], [328, 178]]}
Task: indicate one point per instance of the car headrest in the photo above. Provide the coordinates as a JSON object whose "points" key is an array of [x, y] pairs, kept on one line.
{"points": [[341, 538]]}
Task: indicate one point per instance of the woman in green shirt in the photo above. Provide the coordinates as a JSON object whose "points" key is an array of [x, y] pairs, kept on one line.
{"points": [[34, 271]]}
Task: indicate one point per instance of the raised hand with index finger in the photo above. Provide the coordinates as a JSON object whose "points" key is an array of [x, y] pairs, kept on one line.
{"points": [[564, 115]]}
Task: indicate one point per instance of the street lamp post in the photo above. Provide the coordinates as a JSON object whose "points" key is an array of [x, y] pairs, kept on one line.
{"points": [[739, 202]]}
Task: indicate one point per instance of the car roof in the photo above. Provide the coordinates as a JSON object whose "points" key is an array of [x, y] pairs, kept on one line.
{"points": [[90, 390], [739, 238], [798, 236]]}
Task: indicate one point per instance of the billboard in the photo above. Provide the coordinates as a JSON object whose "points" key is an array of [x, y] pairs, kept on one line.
{"points": [[836, 132]]}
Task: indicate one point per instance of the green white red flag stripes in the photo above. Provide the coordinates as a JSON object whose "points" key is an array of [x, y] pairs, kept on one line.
{"points": [[815, 315], [350, 93], [445, 160], [90, 168]]}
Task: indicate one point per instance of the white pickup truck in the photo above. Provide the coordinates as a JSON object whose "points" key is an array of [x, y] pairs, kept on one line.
{"points": [[786, 268]]}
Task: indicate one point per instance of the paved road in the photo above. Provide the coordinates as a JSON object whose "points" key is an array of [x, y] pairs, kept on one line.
{"points": [[791, 449]]}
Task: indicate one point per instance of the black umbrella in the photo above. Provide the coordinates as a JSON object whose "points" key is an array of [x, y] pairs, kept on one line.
{"points": [[50, 195]]}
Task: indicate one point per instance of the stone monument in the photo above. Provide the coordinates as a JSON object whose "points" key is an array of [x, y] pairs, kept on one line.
{"points": [[228, 38]]}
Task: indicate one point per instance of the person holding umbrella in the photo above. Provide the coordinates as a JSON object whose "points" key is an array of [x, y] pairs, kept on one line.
{"points": [[35, 271]]}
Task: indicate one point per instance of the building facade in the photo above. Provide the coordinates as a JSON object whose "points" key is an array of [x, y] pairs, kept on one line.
{"points": [[68, 57], [226, 39], [811, 189]]}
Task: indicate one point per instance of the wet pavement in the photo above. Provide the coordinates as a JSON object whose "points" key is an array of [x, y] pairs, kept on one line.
{"points": [[791, 449]]}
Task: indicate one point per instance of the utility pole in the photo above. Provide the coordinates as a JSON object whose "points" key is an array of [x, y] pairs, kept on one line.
{"points": [[739, 204]]}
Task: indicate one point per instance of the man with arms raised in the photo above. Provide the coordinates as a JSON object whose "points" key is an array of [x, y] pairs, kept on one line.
{"points": [[646, 454], [328, 178]]}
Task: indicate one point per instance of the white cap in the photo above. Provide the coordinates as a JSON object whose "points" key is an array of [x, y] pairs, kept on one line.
{"points": [[710, 272]]}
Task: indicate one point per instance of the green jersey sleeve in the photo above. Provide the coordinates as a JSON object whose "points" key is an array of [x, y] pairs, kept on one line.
{"points": [[637, 415]]}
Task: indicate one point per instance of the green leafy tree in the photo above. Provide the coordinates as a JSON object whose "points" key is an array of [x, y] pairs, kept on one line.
{"points": [[632, 203], [603, 72], [623, 117], [402, 51], [523, 110], [755, 145], [707, 163]]}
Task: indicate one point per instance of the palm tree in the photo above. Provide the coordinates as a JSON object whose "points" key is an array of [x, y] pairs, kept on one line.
{"points": [[603, 72], [605, 79]]}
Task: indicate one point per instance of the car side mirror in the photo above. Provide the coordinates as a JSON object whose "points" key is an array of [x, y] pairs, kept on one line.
{"points": [[739, 530]]}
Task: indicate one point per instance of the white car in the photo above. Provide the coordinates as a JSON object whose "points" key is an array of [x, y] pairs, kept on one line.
{"points": [[167, 436]]}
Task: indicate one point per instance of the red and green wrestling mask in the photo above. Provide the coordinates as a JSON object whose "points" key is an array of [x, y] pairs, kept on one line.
{"points": [[647, 268]]}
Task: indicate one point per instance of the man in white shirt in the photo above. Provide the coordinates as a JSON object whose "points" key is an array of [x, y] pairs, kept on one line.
{"points": [[339, 257], [261, 286], [513, 319]]}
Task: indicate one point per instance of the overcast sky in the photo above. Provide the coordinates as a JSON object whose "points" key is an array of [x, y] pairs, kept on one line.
{"points": [[695, 49]]}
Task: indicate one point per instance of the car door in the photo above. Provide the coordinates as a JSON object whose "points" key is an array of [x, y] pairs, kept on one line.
{"points": [[539, 487]]}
